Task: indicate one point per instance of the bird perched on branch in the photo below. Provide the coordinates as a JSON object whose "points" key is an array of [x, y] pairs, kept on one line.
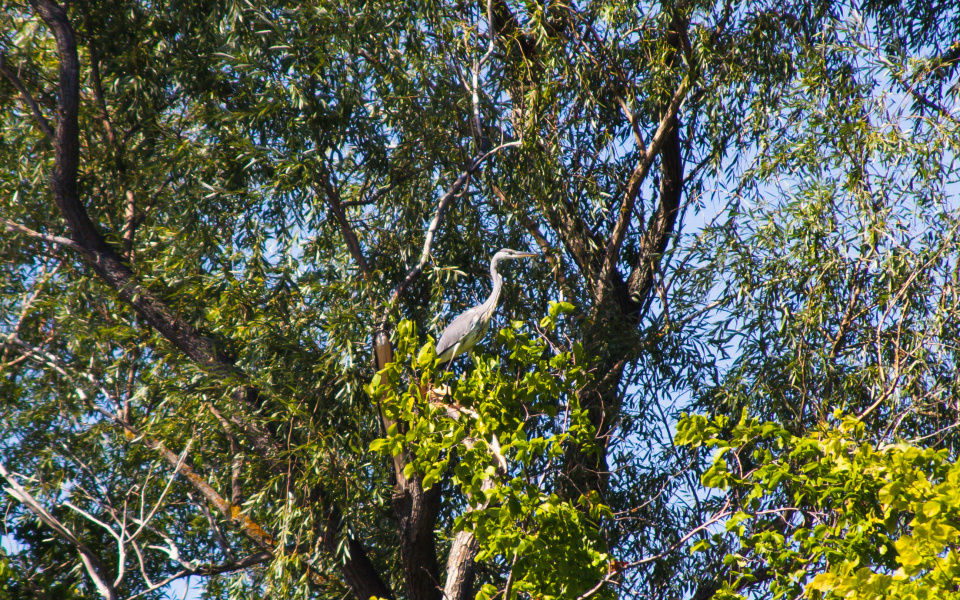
{"points": [[470, 327]]}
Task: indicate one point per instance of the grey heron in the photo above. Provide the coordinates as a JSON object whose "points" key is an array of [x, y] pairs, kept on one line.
{"points": [[470, 327]]}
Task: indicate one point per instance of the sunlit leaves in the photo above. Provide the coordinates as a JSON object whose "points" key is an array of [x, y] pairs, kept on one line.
{"points": [[861, 521], [498, 435]]}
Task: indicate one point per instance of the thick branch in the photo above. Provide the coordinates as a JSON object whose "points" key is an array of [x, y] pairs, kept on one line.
{"points": [[654, 241], [417, 510], [111, 267], [637, 177], [415, 507], [107, 263], [461, 562], [63, 182]]}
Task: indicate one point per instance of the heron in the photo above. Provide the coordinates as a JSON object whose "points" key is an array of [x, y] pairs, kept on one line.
{"points": [[470, 327]]}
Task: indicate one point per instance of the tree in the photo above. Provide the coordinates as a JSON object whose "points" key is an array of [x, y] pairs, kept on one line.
{"points": [[230, 228]]}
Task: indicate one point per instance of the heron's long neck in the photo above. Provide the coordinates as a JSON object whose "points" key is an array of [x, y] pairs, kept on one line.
{"points": [[491, 302]]}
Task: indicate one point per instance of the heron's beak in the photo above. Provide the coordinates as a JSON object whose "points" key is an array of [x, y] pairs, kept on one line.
{"points": [[525, 254]]}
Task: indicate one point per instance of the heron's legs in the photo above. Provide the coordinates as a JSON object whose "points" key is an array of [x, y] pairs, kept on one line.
{"points": [[452, 357]]}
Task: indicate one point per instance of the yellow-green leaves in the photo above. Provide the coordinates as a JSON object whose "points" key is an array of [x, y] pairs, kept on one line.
{"points": [[474, 431], [555, 310], [868, 522]]}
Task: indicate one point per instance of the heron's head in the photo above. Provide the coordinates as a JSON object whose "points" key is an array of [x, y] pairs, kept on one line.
{"points": [[507, 253]]}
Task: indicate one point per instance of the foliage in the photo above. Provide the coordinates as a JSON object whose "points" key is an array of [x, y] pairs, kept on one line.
{"points": [[831, 515], [229, 229], [497, 435]]}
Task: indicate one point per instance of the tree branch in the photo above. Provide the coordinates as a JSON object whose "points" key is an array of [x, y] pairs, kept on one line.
{"points": [[90, 561], [921, 98], [52, 239], [639, 173], [358, 571], [27, 98], [655, 238], [110, 266], [104, 259], [415, 507], [461, 561], [349, 236], [534, 230], [454, 190], [228, 567]]}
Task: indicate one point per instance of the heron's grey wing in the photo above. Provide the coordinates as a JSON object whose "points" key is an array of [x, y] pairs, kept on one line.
{"points": [[456, 330]]}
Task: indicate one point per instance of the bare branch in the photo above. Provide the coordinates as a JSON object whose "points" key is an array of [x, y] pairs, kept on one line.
{"points": [[129, 225], [228, 567], [508, 588], [236, 465], [91, 563], [475, 90], [904, 288], [717, 516], [121, 551], [231, 512], [53, 239], [98, 96], [166, 489], [358, 570], [454, 190]]}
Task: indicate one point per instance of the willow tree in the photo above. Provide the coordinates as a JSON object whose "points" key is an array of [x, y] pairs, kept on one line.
{"points": [[230, 228]]}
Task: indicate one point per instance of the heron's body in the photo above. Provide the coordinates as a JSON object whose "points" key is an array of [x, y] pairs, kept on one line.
{"points": [[470, 327]]}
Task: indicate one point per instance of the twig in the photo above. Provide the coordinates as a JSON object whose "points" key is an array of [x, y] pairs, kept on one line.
{"points": [[475, 90], [903, 289], [919, 97], [720, 514], [723, 512], [455, 189], [221, 540], [41, 120], [176, 469], [91, 563], [53, 239]]}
